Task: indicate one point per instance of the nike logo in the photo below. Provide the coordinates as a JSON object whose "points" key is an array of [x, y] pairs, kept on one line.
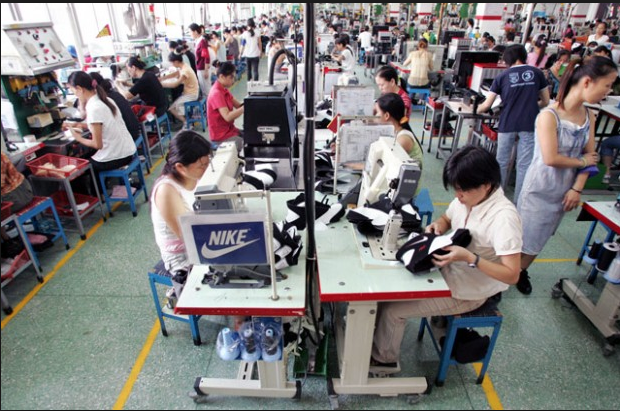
{"points": [[209, 253]]}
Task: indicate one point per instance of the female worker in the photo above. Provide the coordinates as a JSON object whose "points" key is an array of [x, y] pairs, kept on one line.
{"points": [[109, 135], [146, 86]]}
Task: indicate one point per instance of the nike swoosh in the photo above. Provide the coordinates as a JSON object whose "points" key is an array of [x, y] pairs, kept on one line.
{"points": [[209, 254]]}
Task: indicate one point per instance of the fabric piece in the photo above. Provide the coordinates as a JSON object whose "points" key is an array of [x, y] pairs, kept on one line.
{"points": [[417, 253]]}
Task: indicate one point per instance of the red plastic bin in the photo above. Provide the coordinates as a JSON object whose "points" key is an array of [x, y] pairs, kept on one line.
{"points": [[19, 260], [142, 112], [490, 132], [6, 209], [63, 207], [51, 165], [434, 103]]}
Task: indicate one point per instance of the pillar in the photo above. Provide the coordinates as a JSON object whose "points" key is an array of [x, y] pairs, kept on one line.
{"points": [[489, 18]]}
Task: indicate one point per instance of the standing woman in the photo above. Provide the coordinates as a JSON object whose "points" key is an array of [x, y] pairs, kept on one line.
{"points": [[251, 47], [173, 195], [203, 62], [537, 58], [110, 137], [564, 146]]}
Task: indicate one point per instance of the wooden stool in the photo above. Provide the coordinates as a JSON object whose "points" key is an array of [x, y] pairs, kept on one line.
{"points": [[159, 275]]}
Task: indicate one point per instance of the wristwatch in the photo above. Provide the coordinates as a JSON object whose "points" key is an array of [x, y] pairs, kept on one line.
{"points": [[475, 263]]}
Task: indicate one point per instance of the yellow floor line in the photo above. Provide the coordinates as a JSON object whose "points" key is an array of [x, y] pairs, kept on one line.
{"points": [[52, 273], [555, 260], [487, 386], [137, 367]]}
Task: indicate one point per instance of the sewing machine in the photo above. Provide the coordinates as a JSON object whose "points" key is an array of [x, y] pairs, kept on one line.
{"points": [[222, 176], [388, 169], [231, 237]]}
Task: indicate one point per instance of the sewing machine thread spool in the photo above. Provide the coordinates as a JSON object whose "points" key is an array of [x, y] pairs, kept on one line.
{"points": [[228, 344], [270, 343], [613, 272], [250, 350], [610, 251], [595, 249]]}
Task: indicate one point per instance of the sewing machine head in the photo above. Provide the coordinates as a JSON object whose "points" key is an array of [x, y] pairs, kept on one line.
{"points": [[387, 167], [222, 176]]}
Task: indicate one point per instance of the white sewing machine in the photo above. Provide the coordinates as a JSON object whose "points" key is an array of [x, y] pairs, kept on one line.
{"points": [[388, 169], [222, 176]]}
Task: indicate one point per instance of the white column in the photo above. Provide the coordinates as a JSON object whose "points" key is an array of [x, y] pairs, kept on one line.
{"points": [[579, 13], [424, 10], [489, 18]]}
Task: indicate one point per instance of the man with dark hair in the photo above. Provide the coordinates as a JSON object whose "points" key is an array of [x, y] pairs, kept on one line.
{"points": [[520, 87]]}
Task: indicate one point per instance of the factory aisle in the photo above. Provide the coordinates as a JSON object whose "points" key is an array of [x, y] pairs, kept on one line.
{"points": [[88, 337]]}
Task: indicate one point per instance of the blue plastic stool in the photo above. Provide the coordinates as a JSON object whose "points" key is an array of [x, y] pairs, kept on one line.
{"points": [[141, 145], [424, 91], [124, 173], [425, 205], [29, 213], [196, 112], [477, 318], [156, 127], [159, 275]]}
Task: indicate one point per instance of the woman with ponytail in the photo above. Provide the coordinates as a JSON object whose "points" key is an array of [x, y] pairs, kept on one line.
{"points": [[251, 47], [564, 150], [538, 58], [173, 195], [109, 135], [391, 109], [203, 60]]}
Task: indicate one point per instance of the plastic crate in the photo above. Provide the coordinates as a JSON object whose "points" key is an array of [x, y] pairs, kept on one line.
{"points": [[6, 209], [19, 260], [434, 103], [39, 166], [490, 132], [143, 112], [63, 207]]}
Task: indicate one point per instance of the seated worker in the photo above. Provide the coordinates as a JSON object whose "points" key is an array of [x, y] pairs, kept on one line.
{"points": [[223, 108], [391, 109], [557, 69], [109, 135], [608, 146], [474, 274], [420, 62], [129, 117], [173, 195], [185, 76], [15, 188], [388, 81], [146, 86], [343, 54]]}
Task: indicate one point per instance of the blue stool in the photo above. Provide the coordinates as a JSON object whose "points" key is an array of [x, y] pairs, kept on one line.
{"points": [[156, 127], [159, 275], [124, 173], [29, 213], [425, 205], [481, 317], [424, 91], [196, 112], [141, 145]]}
